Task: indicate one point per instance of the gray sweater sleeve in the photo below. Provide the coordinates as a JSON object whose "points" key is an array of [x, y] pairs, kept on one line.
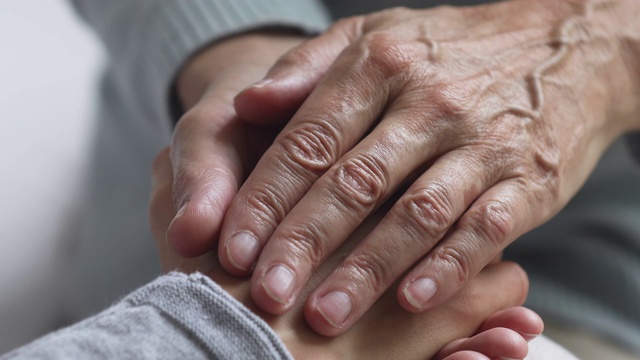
{"points": [[175, 317], [149, 40], [633, 144]]}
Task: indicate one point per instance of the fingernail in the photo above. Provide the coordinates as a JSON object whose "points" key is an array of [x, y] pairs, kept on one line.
{"points": [[419, 292], [278, 283], [335, 307], [262, 83], [242, 250]]}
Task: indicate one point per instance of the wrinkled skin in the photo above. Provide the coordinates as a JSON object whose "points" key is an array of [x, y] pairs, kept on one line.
{"points": [[387, 331], [212, 150], [486, 119], [497, 120]]}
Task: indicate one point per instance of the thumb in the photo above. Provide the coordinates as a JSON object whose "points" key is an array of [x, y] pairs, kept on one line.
{"points": [[207, 170], [294, 76]]}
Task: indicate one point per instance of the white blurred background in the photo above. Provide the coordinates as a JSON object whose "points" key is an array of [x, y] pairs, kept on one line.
{"points": [[50, 64]]}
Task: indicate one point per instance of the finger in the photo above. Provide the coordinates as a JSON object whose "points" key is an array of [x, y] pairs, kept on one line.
{"points": [[493, 343], [496, 287], [161, 212], [323, 130], [525, 322], [520, 319], [208, 169], [499, 216], [411, 228], [290, 81]]}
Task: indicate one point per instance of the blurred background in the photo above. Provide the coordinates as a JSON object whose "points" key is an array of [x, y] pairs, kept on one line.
{"points": [[49, 70]]}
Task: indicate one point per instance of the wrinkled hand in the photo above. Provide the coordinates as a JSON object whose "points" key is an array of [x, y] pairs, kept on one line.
{"points": [[212, 151], [387, 331], [492, 116]]}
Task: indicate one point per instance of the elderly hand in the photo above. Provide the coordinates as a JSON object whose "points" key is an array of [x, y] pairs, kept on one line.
{"points": [[387, 331], [488, 119]]}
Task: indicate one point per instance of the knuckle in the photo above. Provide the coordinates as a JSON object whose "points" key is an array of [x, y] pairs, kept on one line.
{"points": [[312, 146], [184, 124], [199, 118], [387, 54], [301, 56], [350, 26], [183, 178], [361, 181], [306, 243], [370, 269], [456, 261], [451, 100], [192, 178], [493, 221], [269, 205], [429, 210]]}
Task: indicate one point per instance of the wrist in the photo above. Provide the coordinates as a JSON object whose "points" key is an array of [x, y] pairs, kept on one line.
{"points": [[248, 55]]}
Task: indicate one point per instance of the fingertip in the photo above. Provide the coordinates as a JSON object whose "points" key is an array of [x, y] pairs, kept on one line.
{"points": [[274, 290], [417, 294], [531, 326], [498, 343], [524, 321], [405, 303], [318, 321], [239, 253]]}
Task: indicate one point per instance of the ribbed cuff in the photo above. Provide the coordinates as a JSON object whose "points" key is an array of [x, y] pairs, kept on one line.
{"points": [[211, 317], [178, 29]]}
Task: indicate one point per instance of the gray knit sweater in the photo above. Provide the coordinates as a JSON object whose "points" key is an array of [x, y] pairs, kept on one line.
{"points": [[174, 317]]}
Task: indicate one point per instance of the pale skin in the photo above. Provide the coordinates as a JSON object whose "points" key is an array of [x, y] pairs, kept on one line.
{"points": [[487, 119], [387, 331]]}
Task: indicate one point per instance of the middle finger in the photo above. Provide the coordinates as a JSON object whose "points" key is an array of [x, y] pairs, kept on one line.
{"points": [[327, 125]]}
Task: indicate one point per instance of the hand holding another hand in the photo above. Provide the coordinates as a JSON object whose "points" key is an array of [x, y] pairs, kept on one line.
{"points": [[387, 331], [492, 116]]}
